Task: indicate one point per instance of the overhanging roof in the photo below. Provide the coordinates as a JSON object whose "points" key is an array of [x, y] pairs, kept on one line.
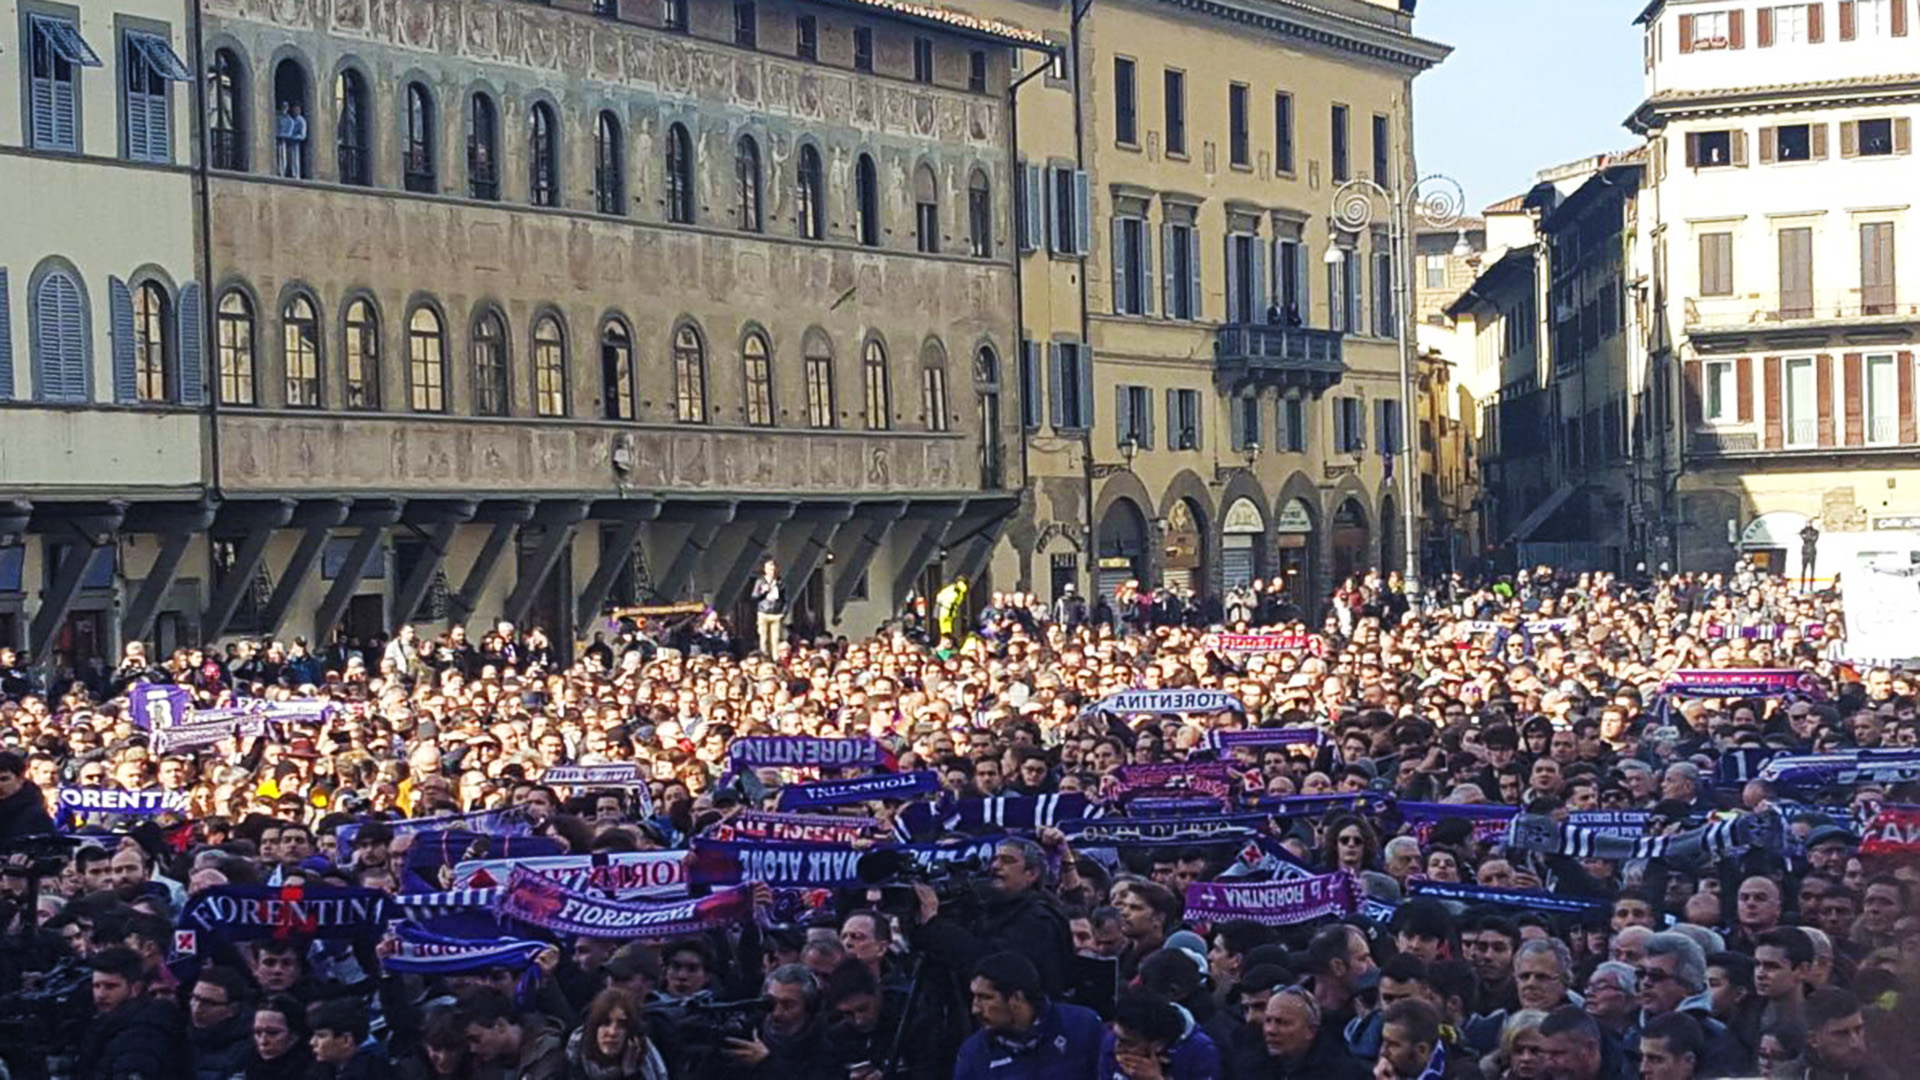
{"points": [[950, 19], [1506, 265]]}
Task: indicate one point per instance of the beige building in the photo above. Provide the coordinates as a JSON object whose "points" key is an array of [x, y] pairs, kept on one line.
{"points": [[521, 310], [1211, 399], [1446, 262]]}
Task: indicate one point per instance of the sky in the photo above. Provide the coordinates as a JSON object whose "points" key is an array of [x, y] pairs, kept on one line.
{"points": [[1531, 83]]}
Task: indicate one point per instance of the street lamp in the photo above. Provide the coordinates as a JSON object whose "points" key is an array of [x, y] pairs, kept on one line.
{"points": [[1439, 202]]}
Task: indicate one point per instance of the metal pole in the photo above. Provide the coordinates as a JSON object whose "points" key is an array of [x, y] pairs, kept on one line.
{"points": [[1403, 302]]}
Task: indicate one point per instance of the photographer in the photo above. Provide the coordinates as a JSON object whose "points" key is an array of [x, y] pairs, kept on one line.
{"points": [[136, 1037], [1019, 917], [792, 1041]]}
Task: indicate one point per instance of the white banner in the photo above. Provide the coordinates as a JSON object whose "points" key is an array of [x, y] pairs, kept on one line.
{"points": [[1882, 601]]}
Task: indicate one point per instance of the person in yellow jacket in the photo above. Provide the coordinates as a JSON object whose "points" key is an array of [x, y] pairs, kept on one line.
{"points": [[947, 605]]}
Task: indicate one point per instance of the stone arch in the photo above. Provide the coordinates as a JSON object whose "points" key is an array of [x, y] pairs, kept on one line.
{"points": [[1187, 486]]}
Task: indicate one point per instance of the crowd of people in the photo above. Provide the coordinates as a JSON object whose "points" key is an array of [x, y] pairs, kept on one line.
{"points": [[1506, 832]]}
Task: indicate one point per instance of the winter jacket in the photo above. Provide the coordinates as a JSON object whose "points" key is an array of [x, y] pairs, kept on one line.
{"points": [[1065, 1043], [222, 1051], [1192, 1057], [1721, 1048], [1029, 924], [1325, 1060], [24, 813], [144, 1039]]}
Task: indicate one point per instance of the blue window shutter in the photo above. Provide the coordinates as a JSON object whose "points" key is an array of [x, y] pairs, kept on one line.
{"points": [[1146, 403], [1031, 391], [1234, 314], [1082, 213], [1085, 355], [1167, 284], [1305, 283], [1199, 410], [120, 303], [1146, 267], [1117, 260], [59, 341], [1052, 186], [1173, 419], [1260, 292], [1122, 414], [1033, 206], [1193, 271], [193, 362], [6, 339], [1236, 423], [1057, 404]]}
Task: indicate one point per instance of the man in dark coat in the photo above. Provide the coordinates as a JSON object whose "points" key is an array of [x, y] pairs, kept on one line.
{"points": [[23, 807], [1019, 918], [136, 1036], [222, 1024]]}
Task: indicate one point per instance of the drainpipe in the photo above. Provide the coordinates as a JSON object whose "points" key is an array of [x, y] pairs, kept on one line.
{"points": [[203, 207], [1080, 9], [1019, 276]]}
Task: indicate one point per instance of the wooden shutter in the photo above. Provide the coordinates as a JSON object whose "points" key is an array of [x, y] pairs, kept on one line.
{"points": [[6, 339], [191, 336], [1693, 150], [1123, 416], [1743, 389], [1854, 430], [1737, 141], [1146, 267], [1146, 405], [1686, 33], [1173, 419], [1796, 273], [1233, 312], [1737, 29], [1908, 432], [1084, 353], [1033, 202], [1260, 290], [1764, 31], [1303, 280], [1902, 135], [1770, 396], [1056, 378], [1236, 423], [1694, 392], [1846, 20], [1082, 213], [1769, 145], [1117, 255], [1818, 137], [1194, 273], [1849, 138], [1167, 284], [126, 389], [1823, 401], [1899, 18], [1816, 23]]}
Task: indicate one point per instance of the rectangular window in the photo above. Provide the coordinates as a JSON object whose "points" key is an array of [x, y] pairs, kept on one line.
{"points": [[977, 71], [862, 49], [1134, 423], [1132, 267], [923, 60], [1796, 273], [149, 64], [1382, 153], [1716, 264], [1293, 425], [674, 14], [1176, 105], [1790, 24], [1710, 31], [1072, 386], [1711, 150], [1876, 137], [1184, 421], [1342, 159], [1349, 425], [1876, 268], [1802, 403], [1283, 132], [1876, 18], [746, 24], [1246, 423], [1182, 273], [1289, 263], [1883, 399], [1068, 224], [806, 38], [1126, 117], [1384, 323], [58, 52], [1435, 267], [1032, 395], [1793, 142], [1238, 151]]}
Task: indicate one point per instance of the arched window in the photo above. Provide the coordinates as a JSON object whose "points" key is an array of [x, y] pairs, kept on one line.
{"points": [[759, 380], [980, 215], [819, 364], [689, 376], [152, 359], [420, 137], [226, 111], [491, 394], [549, 368], [543, 157], [360, 352], [291, 109], [609, 179], [235, 331], [933, 387], [352, 141], [617, 390], [426, 361], [746, 177], [873, 370], [483, 148], [300, 346], [867, 201], [926, 211], [812, 192], [679, 175]]}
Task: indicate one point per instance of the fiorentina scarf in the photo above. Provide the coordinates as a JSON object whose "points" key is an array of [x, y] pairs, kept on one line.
{"points": [[155, 706], [1895, 830], [1267, 643], [196, 734], [435, 848], [1715, 840], [1001, 812], [795, 828], [1214, 778], [1538, 899], [1736, 682], [1127, 831], [1165, 702], [1741, 764], [490, 822], [718, 862], [421, 952], [1156, 801], [1274, 903], [1489, 819], [1222, 741], [802, 751], [96, 800], [612, 774], [259, 912], [859, 789], [624, 874], [1807, 772], [538, 900], [1368, 803]]}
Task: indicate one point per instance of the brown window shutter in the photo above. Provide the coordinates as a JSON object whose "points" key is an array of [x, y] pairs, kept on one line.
{"points": [[1738, 144], [1694, 393], [1902, 135], [1823, 399], [1816, 24], [1764, 30], [1819, 140], [1693, 150], [1899, 18], [1743, 389], [1769, 145], [1846, 20], [1856, 433], [1686, 33], [1770, 376], [1849, 138], [1659, 160], [1737, 30], [1908, 432]]}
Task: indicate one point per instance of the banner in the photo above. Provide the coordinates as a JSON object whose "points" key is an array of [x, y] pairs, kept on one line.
{"points": [[1538, 899], [802, 751], [93, 800], [859, 789], [1895, 830], [421, 952], [259, 912], [1223, 741], [717, 862], [1255, 644], [625, 874], [1734, 682], [297, 711], [154, 706], [1165, 702], [613, 774], [1739, 764], [1882, 597], [1274, 903], [538, 900], [795, 828]]}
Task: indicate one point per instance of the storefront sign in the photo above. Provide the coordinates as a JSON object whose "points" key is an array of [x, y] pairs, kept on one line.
{"points": [[1294, 518]]}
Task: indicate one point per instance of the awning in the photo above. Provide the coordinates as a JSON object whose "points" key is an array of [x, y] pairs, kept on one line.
{"points": [[161, 56], [64, 38], [1542, 512]]}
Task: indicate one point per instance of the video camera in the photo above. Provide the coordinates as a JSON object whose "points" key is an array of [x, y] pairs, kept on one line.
{"points": [[700, 1029], [40, 1028], [887, 880]]}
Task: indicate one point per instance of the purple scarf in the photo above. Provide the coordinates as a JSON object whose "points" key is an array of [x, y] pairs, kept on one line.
{"points": [[538, 900], [1275, 903]]}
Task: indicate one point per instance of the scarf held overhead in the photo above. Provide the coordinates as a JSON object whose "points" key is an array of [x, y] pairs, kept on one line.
{"points": [[794, 828], [1269, 903], [421, 952], [718, 862], [803, 751], [859, 789], [1170, 702], [538, 900], [625, 874], [258, 912]]}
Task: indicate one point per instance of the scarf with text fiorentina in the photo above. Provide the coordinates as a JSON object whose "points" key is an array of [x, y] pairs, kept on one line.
{"points": [[796, 828], [298, 912], [1222, 741], [422, 952], [1023, 813], [719, 862], [538, 900], [621, 874], [803, 751], [1169, 702], [1812, 772], [1537, 899], [1274, 903], [859, 789]]}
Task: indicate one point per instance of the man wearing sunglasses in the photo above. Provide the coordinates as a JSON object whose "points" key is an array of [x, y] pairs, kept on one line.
{"points": [[1673, 980]]}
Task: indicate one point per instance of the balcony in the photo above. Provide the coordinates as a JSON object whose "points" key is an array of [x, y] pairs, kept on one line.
{"points": [[1718, 443], [1269, 354], [1775, 311]]}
